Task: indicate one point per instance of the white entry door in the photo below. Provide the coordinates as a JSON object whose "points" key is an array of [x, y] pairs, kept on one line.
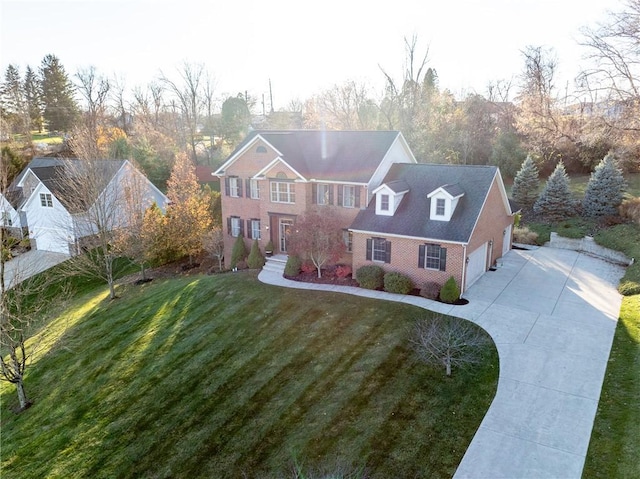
{"points": [[477, 265], [506, 240]]}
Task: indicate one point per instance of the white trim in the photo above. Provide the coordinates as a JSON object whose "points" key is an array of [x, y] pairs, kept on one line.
{"points": [[503, 192], [263, 171], [384, 185], [392, 235], [338, 182], [440, 189], [221, 170]]}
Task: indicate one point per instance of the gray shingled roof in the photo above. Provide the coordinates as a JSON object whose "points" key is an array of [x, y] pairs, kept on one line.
{"points": [[329, 155], [412, 216]]}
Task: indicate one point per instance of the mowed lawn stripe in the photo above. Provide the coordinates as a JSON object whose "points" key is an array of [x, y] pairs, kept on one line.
{"points": [[222, 376]]}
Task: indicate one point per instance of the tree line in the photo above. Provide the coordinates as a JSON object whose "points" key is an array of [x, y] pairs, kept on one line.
{"points": [[528, 114]]}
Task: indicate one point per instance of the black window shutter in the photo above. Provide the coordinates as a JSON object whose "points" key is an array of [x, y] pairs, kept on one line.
{"points": [[239, 188], [226, 186], [357, 201], [249, 229], [340, 193], [330, 194], [314, 193], [247, 184], [443, 259], [421, 253], [241, 227], [369, 248], [388, 251], [229, 225]]}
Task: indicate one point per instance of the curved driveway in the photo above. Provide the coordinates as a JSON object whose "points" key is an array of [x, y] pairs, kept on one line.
{"points": [[552, 314]]}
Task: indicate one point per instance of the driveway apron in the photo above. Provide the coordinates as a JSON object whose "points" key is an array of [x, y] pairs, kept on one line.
{"points": [[552, 314]]}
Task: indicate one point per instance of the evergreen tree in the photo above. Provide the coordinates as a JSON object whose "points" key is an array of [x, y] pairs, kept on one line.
{"points": [[255, 260], [525, 185], [555, 202], [33, 99], [239, 252], [60, 109], [605, 189], [12, 99]]}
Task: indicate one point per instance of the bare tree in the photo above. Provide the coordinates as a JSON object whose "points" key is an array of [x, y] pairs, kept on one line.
{"points": [[348, 107], [188, 96], [449, 342], [24, 303], [213, 243], [95, 90]]}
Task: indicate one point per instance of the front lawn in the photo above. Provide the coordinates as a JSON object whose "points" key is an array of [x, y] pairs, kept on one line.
{"points": [[222, 376], [614, 449]]}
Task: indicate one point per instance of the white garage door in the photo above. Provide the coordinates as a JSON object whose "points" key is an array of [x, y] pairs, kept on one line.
{"points": [[477, 265], [51, 240]]}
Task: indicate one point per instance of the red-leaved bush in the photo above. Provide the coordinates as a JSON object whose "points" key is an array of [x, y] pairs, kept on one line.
{"points": [[343, 270]]}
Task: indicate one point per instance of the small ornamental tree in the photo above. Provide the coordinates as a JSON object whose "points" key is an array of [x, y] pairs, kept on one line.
{"points": [[555, 202], [449, 342], [605, 189], [255, 260], [239, 252], [450, 292], [318, 238], [213, 243], [525, 185]]}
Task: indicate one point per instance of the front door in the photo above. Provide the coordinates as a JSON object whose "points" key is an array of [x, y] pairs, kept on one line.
{"points": [[285, 231]]}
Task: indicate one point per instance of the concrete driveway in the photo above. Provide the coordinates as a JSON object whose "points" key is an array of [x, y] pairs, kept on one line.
{"points": [[552, 314], [30, 263]]}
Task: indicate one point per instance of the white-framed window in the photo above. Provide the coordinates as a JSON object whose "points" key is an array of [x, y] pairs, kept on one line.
{"points": [[347, 237], [440, 206], [234, 186], [46, 200], [254, 189], [6, 219], [283, 192], [255, 229], [323, 194], [384, 202], [235, 226], [348, 196], [379, 249]]}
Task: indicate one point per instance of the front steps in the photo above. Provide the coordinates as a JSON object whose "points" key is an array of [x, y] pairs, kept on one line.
{"points": [[275, 264]]}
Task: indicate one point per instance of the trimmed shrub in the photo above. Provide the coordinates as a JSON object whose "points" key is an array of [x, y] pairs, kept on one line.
{"points": [[292, 268], [255, 259], [630, 209], [343, 270], [239, 252], [397, 283], [370, 276], [450, 292], [430, 290], [524, 235]]}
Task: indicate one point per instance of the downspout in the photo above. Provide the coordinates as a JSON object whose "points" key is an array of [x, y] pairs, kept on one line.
{"points": [[464, 269]]}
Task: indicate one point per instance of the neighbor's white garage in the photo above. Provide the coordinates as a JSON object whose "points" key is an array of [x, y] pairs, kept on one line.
{"points": [[477, 265]]}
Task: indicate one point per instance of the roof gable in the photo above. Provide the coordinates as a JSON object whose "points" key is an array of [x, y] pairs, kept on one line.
{"points": [[347, 156], [412, 215]]}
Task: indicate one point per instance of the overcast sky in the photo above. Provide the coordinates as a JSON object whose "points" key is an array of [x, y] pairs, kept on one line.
{"points": [[301, 46]]}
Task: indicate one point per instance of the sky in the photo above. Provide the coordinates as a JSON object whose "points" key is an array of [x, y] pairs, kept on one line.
{"points": [[302, 47]]}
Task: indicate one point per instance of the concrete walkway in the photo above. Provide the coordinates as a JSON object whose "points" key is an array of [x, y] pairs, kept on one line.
{"points": [[552, 314], [30, 263]]}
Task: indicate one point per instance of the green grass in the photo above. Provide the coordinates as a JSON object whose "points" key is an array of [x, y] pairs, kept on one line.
{"points": [[221, 376], [615, 441], [571, 228], [624, 238]]}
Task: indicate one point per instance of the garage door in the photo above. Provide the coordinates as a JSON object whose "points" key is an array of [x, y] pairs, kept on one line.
{"points": [[51, 240], [506, 242], [477, 265]]}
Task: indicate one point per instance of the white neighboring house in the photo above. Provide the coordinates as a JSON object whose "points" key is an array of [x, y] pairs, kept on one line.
{"points": [[9, 216], [53, 224]]}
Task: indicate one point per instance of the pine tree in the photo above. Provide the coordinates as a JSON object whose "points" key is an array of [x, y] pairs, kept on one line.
{"points": [[526, 184], [60, 109], [255, 260], [33, 99], [12, 99], [555, 202], [605, 189]]}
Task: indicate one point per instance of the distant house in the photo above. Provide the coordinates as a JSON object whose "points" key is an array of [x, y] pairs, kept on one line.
{"points": [[55, 221], [9, 216], [427, 221]]}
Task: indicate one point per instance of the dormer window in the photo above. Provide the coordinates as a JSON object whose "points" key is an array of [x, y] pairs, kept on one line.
{"points": [[444, 201], [388, 197], [384, 202]]}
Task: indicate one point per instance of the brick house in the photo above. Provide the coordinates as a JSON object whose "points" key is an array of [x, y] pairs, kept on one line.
{"points": [[274, 176], [432, 222], [427, 221]]}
